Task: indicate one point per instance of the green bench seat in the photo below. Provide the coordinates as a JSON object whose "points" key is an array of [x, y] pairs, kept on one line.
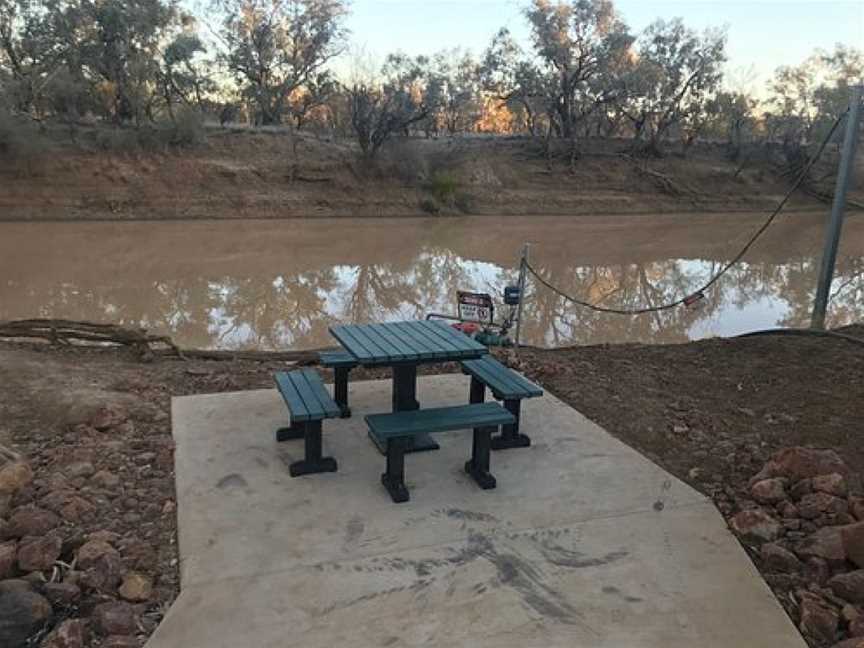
{"points": [[309, 404], [507, 386], [341, 362], [399, 429]]}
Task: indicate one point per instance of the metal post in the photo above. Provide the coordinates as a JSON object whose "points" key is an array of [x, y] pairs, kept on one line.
{"points": [[835, 224], [522, 273]]}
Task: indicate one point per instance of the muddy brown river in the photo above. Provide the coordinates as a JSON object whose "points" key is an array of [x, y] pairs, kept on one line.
{"points": [[280, 284]]}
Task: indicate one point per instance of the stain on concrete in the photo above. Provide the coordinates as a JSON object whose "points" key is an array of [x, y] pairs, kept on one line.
{"points": [[353, 530], [234, 480], [261, 462], [609, 589], [563, 557], [468, 516]]}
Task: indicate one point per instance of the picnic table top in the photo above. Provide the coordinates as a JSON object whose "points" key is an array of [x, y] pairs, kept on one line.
{"points": [[406, 342]]}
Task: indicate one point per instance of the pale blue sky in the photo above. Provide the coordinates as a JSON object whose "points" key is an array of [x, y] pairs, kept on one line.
{"points": [[763, 34]]}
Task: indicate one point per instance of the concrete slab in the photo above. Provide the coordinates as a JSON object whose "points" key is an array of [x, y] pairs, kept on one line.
{"points": [[584, 542]]}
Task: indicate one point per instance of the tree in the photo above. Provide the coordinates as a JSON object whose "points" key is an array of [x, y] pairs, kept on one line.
{"points": [[676, 77], [274, 47], [459, 105], [579, 41], [181, 77], [405, 97]]}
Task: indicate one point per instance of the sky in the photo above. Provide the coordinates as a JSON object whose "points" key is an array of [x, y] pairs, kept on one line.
{"points": [[763, 34]]}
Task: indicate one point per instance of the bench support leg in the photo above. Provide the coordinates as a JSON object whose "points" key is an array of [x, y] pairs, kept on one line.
{"points": [[312, 462], [405, 388], [394, 478], [478, 391], [340, 390], [292, 432], [510, 436], [478, 465]]}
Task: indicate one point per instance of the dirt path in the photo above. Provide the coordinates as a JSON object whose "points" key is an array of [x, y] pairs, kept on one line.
{"points": [[95, 426]]}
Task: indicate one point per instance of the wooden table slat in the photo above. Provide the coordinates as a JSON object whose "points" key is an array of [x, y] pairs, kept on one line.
{"points": [[419, 350], [346, 336], [430, 351], [313, 405], [436, 331], [296, 406], [328, 406], [464, 342], [385, 342], [379, 349], [388, 333]]}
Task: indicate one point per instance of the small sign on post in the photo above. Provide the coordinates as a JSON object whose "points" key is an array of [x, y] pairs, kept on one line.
{"points": [[475, 307]]}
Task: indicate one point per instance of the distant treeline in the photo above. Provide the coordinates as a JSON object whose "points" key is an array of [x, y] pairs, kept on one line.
{"points": [[148, 63]]}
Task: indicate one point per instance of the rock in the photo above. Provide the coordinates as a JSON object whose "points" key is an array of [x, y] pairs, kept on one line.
{"points": [[818, 620], [815, 504], [769, 491], [849, 586], [856, 627], [61, 594], [30, 521], [833, 484], [825, 543], [121, 641], [849, 613], [787, 510], [755, 525], [850, 643], [36, 554], [8, 558], [115, 618], [69, 634], [15, 473], [137, 587], [22, 612], [106, 479], [76, 509], [816, 570], [856, 507], [92, 551], [104, 536], [107, 417], [798, 463], [801, 488], [778, 559], [80, 469], [853, 542]]}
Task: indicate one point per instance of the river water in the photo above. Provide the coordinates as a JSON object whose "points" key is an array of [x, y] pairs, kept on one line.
{"points": [[280, 284]]}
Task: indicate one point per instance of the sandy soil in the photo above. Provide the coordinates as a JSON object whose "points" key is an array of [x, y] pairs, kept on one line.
{"points": [[710, 412]]}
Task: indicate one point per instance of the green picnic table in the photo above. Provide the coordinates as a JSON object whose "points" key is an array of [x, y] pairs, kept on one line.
{"points": [[404, 346]]}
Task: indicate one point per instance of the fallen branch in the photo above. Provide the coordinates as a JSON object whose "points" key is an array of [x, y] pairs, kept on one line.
{"points": [[65, 332]]}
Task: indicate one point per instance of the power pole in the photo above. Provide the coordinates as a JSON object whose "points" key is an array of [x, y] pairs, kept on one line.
{"points": [[835, 224]]}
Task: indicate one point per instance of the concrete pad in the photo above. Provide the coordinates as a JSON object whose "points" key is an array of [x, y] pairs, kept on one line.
{"points": [[584, 542]]}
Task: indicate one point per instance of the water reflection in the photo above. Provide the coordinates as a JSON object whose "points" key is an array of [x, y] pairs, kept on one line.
{"points": [[276, 285]]}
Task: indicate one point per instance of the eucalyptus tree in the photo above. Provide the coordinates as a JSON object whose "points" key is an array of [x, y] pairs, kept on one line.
{"points": [[275, 47], [676, 78]]}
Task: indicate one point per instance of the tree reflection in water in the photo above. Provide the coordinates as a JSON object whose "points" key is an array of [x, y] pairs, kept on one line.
{"points": [[276, 285]]}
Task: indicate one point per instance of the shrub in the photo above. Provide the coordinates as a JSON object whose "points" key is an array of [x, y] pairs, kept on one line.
{"points": [[429, 206], [444, 186], [188, 128], [21, 143]]}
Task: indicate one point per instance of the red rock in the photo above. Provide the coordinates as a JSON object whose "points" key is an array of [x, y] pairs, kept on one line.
{"points": [[137, 587], [824, 543], [755, 525], [800, 463], [856, 626], [8, 558], [91, 551], [850, 643], [853, 542], [120, 641], [856, 507], [769, 491], [61, 594], [15, 473], [815, 504], [801, 488], [106, 479], [833, 484], [849, 586], [76, 510], [818, 620], [115, 618], [107, 417], [69, 634], [787, 510], [30, 521], [22, 612], [778, 559], [36, 554]]}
